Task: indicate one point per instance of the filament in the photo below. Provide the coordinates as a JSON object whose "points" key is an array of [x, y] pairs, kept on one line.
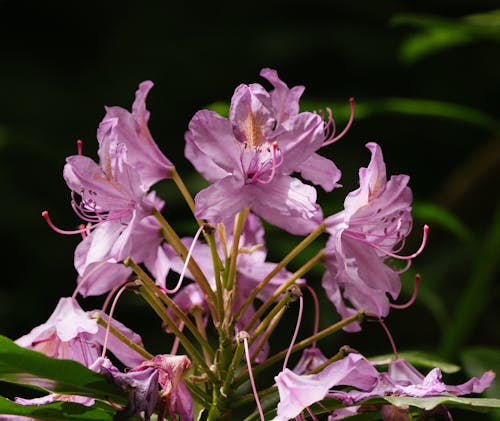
{"points": [[316, 311], [252, 381], [389, 336], [110, 317], [46, 216], [294, 337], [334, 138], [181, 277], [388, 253], [412, 298]]}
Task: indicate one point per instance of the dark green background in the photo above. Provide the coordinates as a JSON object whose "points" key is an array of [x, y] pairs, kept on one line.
{"points": [[61, 63]]}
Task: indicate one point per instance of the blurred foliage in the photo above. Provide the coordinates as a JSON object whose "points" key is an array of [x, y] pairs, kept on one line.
{"points": [[437, 34]]}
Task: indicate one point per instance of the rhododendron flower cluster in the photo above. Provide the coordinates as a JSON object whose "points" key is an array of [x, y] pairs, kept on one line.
{"points": [[263, 162]]}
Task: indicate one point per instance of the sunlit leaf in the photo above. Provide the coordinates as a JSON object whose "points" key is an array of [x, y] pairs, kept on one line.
{"points": [[23, 366], [434, 401]]}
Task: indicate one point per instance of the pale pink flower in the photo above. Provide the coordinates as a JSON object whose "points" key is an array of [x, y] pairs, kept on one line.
{"points": [[250, 156], [372, 227], [125, 136]]}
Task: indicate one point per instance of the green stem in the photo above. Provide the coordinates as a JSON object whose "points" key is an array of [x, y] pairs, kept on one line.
{"points": [[358, 317], [283, 303], [174, 240], [159, 309], [265, 337], [288, 258], [290, 281], [219, 303], [198, 394], [149, 284], [197, 313], [137, 348], [343, 351], [239, 223], [238, 355], [174, 175]]}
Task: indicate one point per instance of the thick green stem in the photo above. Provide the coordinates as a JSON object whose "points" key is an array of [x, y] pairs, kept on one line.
{"points": [[290, 281], [238, 355], [288, 258]]}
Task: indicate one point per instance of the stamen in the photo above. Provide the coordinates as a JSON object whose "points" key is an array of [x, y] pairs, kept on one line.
{"points": [[388, 253], [109, 296], [110, 317], [46, 216], [389, 336], [186, 262], [316, 312], [273, 168], [297, 326], [250, 373], [412, 298], [346, 128]]}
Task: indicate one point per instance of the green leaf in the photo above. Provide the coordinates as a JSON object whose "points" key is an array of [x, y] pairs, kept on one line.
{"points": [[432, 213], [437, 34], [57, 411], [434, 401], [26, 367], [420, 359]]}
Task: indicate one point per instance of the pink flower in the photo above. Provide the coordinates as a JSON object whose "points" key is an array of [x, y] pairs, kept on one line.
{"points": [[371, 228], [297, 392], [117, 211], [175, 398], [141, 385], [67, 334], [125, 135], [250, 156], [72, 333], [402, 379]]}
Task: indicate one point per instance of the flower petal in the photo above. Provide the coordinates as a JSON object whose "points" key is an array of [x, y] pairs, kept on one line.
{"points": [[289, 204]]}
